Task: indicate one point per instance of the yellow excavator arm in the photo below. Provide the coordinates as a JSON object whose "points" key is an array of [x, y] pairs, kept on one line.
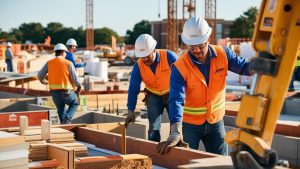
{"points": [[276, 41]]}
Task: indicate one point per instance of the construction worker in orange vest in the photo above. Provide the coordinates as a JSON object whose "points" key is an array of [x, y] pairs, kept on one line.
{"points": [[197, 90], [62, 79], [153, 68]]}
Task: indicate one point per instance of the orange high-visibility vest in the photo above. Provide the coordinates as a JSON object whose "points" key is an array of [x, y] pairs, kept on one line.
{"points": [[204, 102], [157, 83], [59, 75]]}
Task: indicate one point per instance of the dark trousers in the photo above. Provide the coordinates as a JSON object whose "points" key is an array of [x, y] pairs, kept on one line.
{"points": [[9, 64], [61, 98], [212, 136]]}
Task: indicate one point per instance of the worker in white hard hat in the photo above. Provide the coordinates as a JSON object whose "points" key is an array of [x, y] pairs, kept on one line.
{"points": [[62, 80], [153, 68], [72, 45], [9, 57], [197, 90]]}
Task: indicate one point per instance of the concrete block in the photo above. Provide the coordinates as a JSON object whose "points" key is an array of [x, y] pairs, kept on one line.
{"points": [[98, 117], [53, 117], [164, 131], [83, 117], [138, 130], [291, 107], [229, 120], [286, 147]]}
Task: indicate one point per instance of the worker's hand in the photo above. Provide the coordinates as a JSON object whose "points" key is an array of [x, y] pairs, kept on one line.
{"points": [[78, 90], [175, 139], [130, 118]]}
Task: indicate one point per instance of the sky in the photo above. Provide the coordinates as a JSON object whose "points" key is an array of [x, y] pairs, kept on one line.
{"points": [[119, 15]]}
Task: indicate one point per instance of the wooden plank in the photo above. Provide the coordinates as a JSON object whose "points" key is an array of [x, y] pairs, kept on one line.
{"points": [[9, 138], [44, 164], [45, 128], [222, 162], [65, 156], [108, 127], [118, 161], [23, 124], [176, 156]]}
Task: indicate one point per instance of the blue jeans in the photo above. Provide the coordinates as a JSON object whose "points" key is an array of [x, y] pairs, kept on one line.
{"points": [[9, 64], [212, 136], [62, 98], [155, 106]]}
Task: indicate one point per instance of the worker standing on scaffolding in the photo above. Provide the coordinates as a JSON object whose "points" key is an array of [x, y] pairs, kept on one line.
{"points": [[197, 90], [154, 69], [9, 57], [62, 79]]}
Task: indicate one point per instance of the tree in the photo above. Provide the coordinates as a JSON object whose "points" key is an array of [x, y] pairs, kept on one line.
{"points": [[141, 27], [103, 36], [33, 32], [243, 26]]}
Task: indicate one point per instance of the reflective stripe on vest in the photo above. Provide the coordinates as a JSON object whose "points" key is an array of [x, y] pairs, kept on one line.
{"points": [[158, 93], [56, 87], [203, 110]]}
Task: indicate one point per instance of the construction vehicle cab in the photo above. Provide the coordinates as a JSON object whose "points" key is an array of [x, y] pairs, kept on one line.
{"points": [[276, 41]]}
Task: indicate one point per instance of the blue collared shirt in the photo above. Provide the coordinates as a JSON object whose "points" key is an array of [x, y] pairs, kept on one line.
{"points": [[236, 64], [136, 79], [70, 56]]}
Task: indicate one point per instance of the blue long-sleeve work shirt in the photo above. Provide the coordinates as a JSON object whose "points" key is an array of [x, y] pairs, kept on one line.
{"points": [[70, 56], [136, 79], [236, 64]]}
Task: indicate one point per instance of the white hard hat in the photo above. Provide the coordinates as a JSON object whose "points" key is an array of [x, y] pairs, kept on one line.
{"points": [[195, 31], [9, 44], [144, 45], [60, 46], [72, 42]]}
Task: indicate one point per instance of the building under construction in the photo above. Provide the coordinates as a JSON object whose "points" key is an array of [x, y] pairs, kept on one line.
{"points": [[32, 135]]}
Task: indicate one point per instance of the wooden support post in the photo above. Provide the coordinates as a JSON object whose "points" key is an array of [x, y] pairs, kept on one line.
{"points": [[23, 122], [123, 139], [45, 125], [112, 106], [97, 102]]}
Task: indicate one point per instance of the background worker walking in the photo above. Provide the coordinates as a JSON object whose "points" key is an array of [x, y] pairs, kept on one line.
{"points": [[9, 57], [197, 90], [62, 79], [153, 68], [72, 45]]}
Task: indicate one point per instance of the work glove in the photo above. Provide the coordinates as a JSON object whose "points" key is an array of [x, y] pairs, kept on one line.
{"points": [[175, 139], [130, 118]]}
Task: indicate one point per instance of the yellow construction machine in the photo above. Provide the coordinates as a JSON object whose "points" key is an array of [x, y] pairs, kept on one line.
{"points": [[276, 40]]}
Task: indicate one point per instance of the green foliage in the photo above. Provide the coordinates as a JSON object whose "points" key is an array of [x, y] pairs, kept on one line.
{"points": [[141, 27], [243, 26], [33, 32], [103, 36]]}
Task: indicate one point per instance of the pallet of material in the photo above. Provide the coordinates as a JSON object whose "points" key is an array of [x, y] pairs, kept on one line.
{"points": [[115, 161], [38, 152], [13, 151], [79, 148]]}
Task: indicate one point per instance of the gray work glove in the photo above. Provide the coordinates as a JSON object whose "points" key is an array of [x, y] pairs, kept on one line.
{"points": [[175, 139], [130, 118]]}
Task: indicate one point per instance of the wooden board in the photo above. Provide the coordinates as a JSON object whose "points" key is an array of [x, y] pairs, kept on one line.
{"points": [[117, 161], [65, 156]]}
